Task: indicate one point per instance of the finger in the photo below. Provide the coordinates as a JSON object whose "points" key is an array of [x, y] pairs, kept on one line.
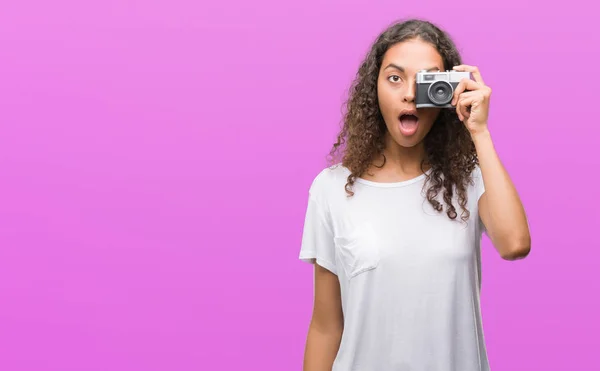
{"points": [[474, 71], [463, 107], [462, 111], [463, 85]]}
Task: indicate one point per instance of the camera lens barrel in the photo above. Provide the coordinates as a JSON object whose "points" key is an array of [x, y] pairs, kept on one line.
{"points": [[440, 92]]}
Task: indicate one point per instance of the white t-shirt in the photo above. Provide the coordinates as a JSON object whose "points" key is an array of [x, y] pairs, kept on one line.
{"points": [[409, 276]]}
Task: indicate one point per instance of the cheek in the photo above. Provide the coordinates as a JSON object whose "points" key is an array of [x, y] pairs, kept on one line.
{"points": [[432, 115], [386, 99], [381, 93]]}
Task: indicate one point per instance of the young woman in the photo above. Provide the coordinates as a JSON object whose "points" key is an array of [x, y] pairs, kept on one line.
{"points": [[395, 227]]}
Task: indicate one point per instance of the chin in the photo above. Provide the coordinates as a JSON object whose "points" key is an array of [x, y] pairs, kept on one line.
{"points": [[407, 142]]}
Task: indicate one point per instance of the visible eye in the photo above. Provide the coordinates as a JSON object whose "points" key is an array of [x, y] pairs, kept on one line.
{"points": [[394, 78]]}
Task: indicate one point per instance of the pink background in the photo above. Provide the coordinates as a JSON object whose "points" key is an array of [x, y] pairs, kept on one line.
{"points": [[155, 158]]}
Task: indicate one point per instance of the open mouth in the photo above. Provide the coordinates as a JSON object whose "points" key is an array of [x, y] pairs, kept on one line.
{"points": [[408, 123]]}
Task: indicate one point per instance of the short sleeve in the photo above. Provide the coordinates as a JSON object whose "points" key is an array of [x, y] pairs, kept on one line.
{"points": [[317, 237], [478, 180], [479, 190]]}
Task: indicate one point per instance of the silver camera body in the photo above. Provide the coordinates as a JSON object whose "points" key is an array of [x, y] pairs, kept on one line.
{"points": [[435, 89]]}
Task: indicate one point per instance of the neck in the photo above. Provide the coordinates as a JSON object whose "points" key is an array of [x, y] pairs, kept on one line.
{"points": [[406, 160]]}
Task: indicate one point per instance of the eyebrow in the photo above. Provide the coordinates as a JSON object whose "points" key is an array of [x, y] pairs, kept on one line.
{"points": [[401, 69]]}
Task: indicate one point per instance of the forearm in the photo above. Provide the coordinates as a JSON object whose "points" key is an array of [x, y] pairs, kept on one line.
{"points": [[503, 212], [322, 346]]}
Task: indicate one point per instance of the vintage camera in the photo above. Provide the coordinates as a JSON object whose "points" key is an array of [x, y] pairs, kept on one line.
{"points": [[435, 89]]}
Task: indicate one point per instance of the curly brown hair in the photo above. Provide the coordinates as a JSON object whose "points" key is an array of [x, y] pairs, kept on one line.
{"points": [[449, 149]]}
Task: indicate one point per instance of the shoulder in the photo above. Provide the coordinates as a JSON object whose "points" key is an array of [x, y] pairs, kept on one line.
{"points": [[477, 186], [328, 180], [476, 175]]}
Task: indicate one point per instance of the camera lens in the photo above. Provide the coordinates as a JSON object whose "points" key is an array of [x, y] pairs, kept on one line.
{"points": [[440, 92]]}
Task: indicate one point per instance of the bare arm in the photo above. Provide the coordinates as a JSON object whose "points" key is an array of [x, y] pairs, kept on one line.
{"points": [[326, 326], [500, 207]]}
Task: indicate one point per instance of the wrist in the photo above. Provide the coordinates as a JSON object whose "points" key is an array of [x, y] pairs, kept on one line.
{"points": [[480, 135]]}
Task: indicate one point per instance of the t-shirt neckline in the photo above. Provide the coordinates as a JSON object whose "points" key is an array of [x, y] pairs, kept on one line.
{"points": [[402, 183]]}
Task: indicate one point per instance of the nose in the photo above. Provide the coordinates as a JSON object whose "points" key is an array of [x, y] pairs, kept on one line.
{"points": [[409, 95]]}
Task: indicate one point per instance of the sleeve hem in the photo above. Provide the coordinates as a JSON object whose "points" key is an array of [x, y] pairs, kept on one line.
{"points": [[310, 258]]}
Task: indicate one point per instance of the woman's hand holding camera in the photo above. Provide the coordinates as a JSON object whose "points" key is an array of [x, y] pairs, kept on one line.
{"points": [[472, 100]]}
